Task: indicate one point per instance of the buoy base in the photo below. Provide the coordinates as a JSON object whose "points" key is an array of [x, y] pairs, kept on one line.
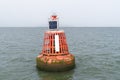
{"points": [[55, 63]]}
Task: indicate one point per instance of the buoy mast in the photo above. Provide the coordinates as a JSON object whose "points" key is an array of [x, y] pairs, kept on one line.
{"points": [[53, 22]]}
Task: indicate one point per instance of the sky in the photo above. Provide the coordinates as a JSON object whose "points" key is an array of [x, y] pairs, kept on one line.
{"points": [[72, 13]]}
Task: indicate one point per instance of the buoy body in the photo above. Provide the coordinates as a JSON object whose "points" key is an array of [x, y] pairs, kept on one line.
{"points": [[55, 55]]}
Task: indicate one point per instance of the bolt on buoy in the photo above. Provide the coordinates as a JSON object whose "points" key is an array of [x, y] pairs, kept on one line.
{"points": [[55, 55]]}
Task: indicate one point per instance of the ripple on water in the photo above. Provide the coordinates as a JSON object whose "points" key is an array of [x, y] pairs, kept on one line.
{"points": [[96, 51]]}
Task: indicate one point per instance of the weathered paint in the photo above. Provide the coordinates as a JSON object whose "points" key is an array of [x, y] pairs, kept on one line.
{"points": [[55, 64]]}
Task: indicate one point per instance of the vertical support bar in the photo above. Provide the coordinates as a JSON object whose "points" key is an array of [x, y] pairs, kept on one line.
{"points": [[57, 49], [52, 43], [43, 49]]}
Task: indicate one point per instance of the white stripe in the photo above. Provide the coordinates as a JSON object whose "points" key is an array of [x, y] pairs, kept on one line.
{"points": [[57, 43]]}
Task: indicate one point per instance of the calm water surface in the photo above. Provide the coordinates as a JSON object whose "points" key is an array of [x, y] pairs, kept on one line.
{"points": [[97, 52]]}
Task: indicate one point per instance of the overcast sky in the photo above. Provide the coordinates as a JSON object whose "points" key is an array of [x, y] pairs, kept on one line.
{"points": [[78, 13]]}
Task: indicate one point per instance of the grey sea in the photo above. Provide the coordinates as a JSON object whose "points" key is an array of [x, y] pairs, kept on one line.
{"points": [[97, 52]]}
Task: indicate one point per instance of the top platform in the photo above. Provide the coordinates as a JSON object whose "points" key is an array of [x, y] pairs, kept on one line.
{"points": [[53, 22]]}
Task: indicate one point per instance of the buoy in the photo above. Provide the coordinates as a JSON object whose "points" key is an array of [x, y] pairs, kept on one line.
{"points": [[55, 55]]}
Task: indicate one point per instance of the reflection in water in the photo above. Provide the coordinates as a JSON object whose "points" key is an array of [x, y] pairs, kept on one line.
{"points": [[55, 75]]}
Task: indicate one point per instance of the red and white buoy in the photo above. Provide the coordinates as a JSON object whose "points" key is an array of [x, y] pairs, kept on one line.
{"points": [[55, 55]]}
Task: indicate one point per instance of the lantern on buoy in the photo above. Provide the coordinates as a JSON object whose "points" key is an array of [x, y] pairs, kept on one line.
{"points": [[55, 55]]}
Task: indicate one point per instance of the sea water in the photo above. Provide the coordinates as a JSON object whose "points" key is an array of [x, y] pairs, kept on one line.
{"points": [[97, 53]]}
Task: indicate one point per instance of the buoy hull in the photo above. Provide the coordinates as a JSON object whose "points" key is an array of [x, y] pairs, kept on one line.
{"points": [[55, 55], [55, 63]]}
